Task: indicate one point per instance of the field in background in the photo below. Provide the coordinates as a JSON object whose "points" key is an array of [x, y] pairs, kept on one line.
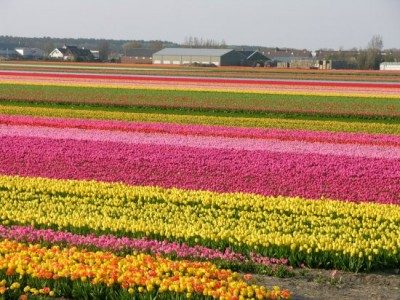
{"points": [[180, 181], [224, 72]]}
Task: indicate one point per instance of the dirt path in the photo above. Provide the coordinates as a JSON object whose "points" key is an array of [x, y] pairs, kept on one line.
{"points": [[324, 284]]}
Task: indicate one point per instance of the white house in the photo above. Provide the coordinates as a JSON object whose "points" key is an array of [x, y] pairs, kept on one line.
{"points": [[71, 53], [57, 53]]}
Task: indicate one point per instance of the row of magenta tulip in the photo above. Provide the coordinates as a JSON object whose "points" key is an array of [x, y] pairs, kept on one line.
{"points": [[202, 131], [115, 126], [263, 172], [203, 142]]}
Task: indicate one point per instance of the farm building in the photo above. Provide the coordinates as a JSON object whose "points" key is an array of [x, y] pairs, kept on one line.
{"points": [[253, 58], [138, 56], [287, 55], [392, 66], [6, 54], [72, 53], [96, 54], [188, 56], [302, 63], [330, 64], [30, 53], [323, 64]]}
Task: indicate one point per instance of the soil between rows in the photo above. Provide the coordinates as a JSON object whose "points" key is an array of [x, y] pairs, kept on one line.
{"points": [[325, 284]]}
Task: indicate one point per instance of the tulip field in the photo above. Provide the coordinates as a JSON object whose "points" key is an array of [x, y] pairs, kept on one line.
{"points": [[152, 186]]}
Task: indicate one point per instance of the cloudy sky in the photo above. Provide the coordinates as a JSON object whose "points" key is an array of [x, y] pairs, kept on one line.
{"points": [[308, 24]]}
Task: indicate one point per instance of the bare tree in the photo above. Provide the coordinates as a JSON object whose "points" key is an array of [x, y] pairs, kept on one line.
{"points": [[104, 50], [376, 42], [195, 42], [374, 52], [48, 46], [156, 45], [372, 56], [131, 45]]}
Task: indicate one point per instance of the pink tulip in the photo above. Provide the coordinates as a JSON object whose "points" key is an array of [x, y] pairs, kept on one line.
{"points": [[223, 170], [110, 242]]}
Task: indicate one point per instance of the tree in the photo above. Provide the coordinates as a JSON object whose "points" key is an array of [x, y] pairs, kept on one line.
{"points": [[362, 60], [156, 45], [376, 42], [48, 46], [195, 42], [131, 45], [389, 57], [372, 57], [392, 55], [104, 50]]}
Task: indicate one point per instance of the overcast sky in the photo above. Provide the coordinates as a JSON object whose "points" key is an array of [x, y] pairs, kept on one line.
{"points": [[308, 24]]}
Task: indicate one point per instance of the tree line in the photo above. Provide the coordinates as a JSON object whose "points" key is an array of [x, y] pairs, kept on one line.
{"points": [[367, 58], [48, 44]]}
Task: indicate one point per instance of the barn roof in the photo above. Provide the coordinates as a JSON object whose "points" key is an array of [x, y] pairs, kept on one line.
{"points": [[9, 52], [139, 52], [193, 52], [246, 53], [76, 51], [253, 54]]}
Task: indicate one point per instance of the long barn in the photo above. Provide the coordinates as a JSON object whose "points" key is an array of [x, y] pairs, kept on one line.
{"points": [[186, 56]]}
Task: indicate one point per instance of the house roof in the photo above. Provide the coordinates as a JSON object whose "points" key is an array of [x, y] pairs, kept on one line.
{"points": [[9, 52], [279, 53], [74, 50], [62, 50], [386, 63], [140, 52], [251, 53], [78, 51], [327, 53], [31, 51], [193, 52], [246, 53], [290, 58]]}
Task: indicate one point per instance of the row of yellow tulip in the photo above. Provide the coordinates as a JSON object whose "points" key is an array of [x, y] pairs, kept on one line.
{"points": [[317, 232], [267, 122], [134, 273]]}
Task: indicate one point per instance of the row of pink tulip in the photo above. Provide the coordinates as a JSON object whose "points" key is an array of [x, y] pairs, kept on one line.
{"points": [[204, 142], [204, 130], [224, 170], [113, 243]]}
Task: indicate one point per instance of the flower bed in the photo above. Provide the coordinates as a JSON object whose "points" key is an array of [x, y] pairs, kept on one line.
{"points": [[131, 274], [318, 232], [164, 190]]}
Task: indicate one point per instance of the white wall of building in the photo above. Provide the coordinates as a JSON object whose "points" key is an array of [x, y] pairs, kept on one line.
{"points": [[56, 54], [390, 66], [21, 51], [96, 54]]}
